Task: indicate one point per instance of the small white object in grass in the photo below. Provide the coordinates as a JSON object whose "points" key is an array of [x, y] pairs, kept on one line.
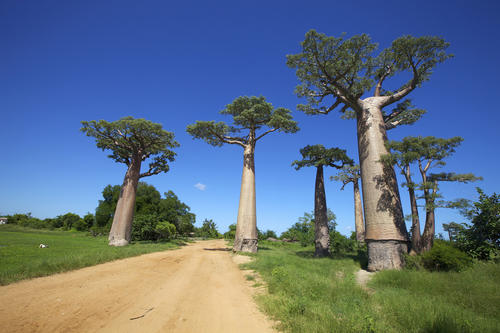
{"points": [[42, 246]]}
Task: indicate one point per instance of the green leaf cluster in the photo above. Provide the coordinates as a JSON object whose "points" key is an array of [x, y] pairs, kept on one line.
{"points": [[318, 155], [248, 113], [150, 209], [336, 71], [348, 174], [481, 238], [132, 139]]}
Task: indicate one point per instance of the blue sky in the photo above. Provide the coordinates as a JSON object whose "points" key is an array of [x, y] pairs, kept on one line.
{"points": [[62, 62]]}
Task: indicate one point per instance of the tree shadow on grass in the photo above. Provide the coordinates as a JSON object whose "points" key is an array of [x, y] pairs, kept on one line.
{"points": [[361, 256], [444, 324]]}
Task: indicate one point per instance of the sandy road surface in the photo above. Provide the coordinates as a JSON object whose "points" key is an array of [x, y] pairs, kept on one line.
{"points": [[197, 288]]}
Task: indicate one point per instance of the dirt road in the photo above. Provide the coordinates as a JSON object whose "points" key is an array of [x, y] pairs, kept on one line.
{"points": [[197, 288]]}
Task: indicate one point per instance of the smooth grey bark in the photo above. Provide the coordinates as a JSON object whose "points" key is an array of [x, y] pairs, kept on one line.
{"points": [[427, 240], [322, 236], [382, 206], [246, 239], [430, 226], [121, 229], [415, 245], [358, 213]]}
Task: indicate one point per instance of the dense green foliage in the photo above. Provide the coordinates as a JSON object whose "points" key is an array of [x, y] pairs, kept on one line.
{"points": [[208, 230], [445, 257], [231, 233], [67, 221], [21, 258], [307, 294], [345, 69], [249, 113], [165, 230], [150, 209], [303, 230], [134, 140], [481, 239], [318, 155]]}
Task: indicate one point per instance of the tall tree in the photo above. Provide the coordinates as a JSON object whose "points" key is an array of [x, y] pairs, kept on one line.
{"points": [[430, 187], [427, 152], [351, 174], [319, 157], [403, 154], [131, 142], [257, 118], [337, 73]]}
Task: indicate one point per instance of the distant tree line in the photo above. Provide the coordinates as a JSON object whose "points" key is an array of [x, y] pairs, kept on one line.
{"points": [[155, 218]]}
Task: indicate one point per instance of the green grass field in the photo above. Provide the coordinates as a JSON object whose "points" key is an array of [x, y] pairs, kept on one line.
{"points": [[21, 258], [321, 295]]}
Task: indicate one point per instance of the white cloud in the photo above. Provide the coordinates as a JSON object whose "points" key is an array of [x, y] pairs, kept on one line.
{"points": [[200, 186]]}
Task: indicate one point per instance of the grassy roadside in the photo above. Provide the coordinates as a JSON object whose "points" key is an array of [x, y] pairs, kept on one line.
{"points": [[21, 258], [321, 295]]}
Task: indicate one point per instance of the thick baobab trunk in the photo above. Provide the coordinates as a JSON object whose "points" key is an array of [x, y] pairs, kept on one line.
{"points": [[386, 236], [322, 236], [121, 229], [246, 227], [358, 214], [416, 245]]}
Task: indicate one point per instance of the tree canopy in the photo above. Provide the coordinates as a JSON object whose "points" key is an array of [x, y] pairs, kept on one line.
{"points": [[346, 69], [348, 174], [252, 113], [150, 209], [130, 139], [318, 155]]}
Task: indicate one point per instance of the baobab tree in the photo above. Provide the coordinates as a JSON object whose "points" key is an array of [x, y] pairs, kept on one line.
{"points": [[338, 73], [427, 153], [131, 141], [258, 118], [318, 156], [350, 174]]}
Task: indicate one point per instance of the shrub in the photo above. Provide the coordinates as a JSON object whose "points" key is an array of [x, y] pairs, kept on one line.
{"points": [[80, 225], [340, 244], [165, 230], [231, 233], [481, 239], [413, 262], [445, 257], [143, 227]]}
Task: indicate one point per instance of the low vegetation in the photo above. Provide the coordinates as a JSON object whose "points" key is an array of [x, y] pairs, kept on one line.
{"points": [[308, 294], [21, 258]]}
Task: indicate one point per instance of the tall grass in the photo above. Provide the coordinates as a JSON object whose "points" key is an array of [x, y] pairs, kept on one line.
{"points": [[321, 295], [21, 257]]}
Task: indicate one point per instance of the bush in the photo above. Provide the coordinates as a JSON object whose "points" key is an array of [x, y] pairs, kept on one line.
{"points": [[231, 233], [165, 230], [340, 244], [414, 262], [143, 227], [445, 257], [481, 240]]}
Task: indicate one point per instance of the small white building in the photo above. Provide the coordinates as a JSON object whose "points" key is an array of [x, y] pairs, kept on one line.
{"points": [[3, 220]]}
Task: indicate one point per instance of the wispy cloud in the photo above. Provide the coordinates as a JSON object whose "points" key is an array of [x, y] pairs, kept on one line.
{"points": [[200, 186]]}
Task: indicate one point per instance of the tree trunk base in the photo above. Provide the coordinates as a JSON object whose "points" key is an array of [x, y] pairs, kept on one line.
{"points": [[384, 255], [245, 245], [321, 252], [118, 242]]}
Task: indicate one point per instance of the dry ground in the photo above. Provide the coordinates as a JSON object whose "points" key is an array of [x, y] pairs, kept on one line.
{"points": [[197, 288]]}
